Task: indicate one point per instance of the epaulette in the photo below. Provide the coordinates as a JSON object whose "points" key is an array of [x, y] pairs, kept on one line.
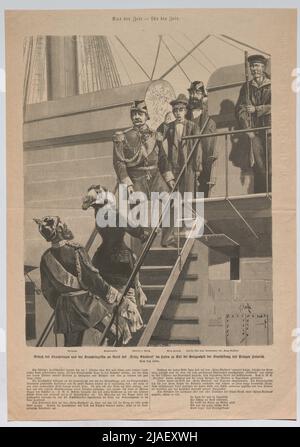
{"points": [[118, 136]]}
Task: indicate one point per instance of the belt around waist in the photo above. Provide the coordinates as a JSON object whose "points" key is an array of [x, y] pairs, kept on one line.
{"points": [[144, 168], [75, 293]]}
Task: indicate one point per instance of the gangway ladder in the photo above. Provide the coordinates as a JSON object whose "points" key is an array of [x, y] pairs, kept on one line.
{"points": [[146, 249], [171, 282], [159, 307]]}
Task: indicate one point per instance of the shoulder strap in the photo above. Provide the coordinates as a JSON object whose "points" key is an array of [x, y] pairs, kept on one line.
{"points": [[60, 274]]}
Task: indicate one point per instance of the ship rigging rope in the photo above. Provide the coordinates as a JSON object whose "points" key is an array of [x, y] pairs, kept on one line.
{"points": [[201, 51], [29, 49], [185, 56], [192, 55], [97, 69], [226, 38], [246, 45], [133, 57], [40, 69], [121, 60], [96, 51], [81, 52], [229, 43], [156, 57], [33, 82], [177, 62]]}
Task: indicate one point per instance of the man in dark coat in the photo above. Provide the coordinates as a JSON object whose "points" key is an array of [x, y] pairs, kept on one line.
{"points": [[253, 109], [197, 112], [178, 149], [114, 258], [139, 158], [80, 297]]}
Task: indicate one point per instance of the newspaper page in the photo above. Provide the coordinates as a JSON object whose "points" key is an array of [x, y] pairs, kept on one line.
{"points": [[151, 214]]}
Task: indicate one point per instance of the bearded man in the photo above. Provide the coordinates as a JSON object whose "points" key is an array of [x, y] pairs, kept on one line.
{"points": [[253, 109], [140, 160], [197, 112]]}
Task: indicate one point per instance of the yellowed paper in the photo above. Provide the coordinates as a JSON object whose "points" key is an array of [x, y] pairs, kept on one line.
{"points": [[217, 341]]}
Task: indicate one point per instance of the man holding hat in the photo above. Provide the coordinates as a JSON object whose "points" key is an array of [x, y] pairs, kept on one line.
{"points": [[198, 113], [253, 109], [140, 160]]}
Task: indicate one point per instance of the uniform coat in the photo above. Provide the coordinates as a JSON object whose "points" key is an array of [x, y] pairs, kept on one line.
{"points": [[140, 160], [80, 297], [260, 97]]}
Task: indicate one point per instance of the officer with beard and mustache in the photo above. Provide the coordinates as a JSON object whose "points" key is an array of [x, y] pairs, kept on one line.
{"points": [[140, 161], [253, 109], [197, 111]]}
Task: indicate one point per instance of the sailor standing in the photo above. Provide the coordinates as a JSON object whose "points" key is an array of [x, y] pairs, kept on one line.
{"points": [[253, 109]]}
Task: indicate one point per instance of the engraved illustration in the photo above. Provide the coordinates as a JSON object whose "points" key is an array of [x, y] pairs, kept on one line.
{"points": [[106, 117]]}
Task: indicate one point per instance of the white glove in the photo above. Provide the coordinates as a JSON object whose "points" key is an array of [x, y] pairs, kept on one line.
{"points": [[113, 295], [129, 311]]}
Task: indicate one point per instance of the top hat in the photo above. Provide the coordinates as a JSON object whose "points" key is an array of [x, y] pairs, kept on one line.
{"points": [[181, 99]]}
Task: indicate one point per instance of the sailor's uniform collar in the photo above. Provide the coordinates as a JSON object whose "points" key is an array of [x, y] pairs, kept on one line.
{"points": [[266, 81]]}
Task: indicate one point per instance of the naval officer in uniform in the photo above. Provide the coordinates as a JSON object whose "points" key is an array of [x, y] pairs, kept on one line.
{"points": [[140, 160]]}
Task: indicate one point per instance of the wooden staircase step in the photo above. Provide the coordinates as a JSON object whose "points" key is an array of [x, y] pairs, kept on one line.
{"points": [[148, 306], [147, 310], [167, 289], [166, 249], [165, 256], [149, 280], [153, 294], [150, 268], [152, 287]]}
